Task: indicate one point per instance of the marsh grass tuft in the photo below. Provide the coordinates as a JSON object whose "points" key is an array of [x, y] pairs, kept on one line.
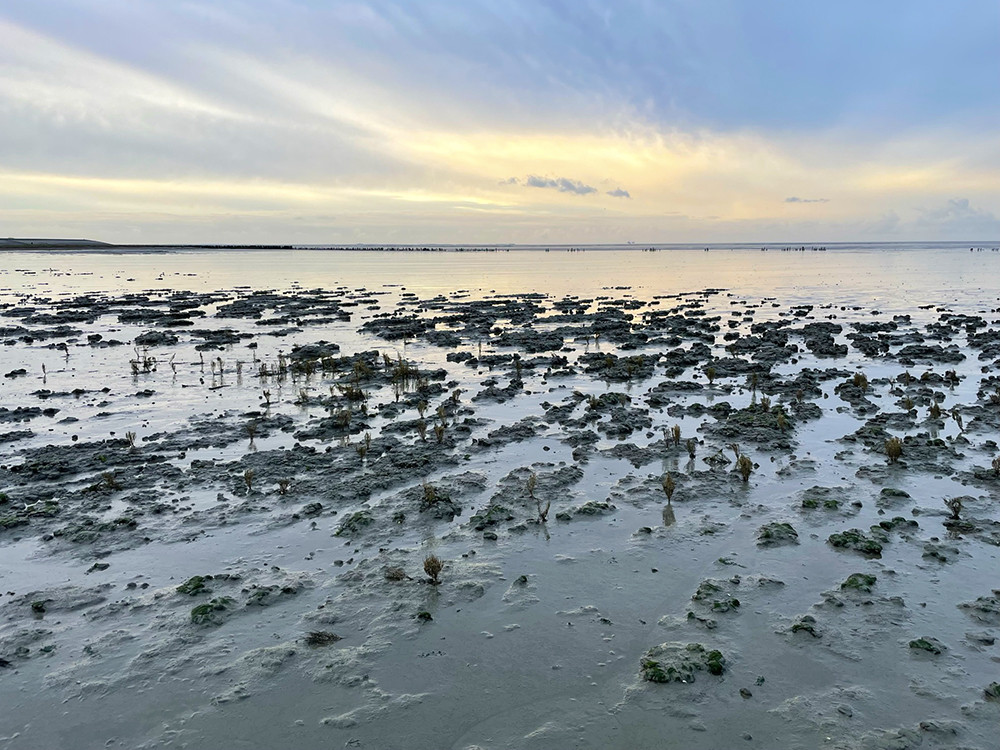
{"points": [[893, 449], [669, 485], [130, 439], [283, 486], [317, 638], [433, 567], [954, 505], [675, 432], [710, 373], [691, 446], [396, 574], [745, 467], [248, 475], [250, 428], [861, 381], [935, 410], [430, 494], [996, 466]]}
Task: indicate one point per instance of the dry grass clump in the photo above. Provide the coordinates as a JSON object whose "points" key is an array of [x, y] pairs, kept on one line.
{"points": [[318, 638], [395, 574], [669, 486], [433, 567], [744, 466], [893, 449]]}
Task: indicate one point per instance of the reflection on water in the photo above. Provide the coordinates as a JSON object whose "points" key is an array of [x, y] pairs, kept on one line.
{"points": [[888, 277], [668, 515]]}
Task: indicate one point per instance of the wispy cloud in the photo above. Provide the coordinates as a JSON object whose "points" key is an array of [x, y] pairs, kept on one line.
{"points": [[795, 199], [562, 184], [619, 193]]}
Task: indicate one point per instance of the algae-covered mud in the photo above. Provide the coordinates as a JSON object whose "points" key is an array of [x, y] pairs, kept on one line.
{"points": [[516, 500]]}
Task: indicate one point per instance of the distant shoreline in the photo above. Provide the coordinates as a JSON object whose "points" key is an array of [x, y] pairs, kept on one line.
{"points": [[77, 247]]}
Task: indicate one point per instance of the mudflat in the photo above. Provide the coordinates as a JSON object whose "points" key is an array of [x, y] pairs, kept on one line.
{"points": [[522, 500]]}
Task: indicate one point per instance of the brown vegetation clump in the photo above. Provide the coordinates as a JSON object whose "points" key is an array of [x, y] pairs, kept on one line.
{"points": [[893, 449], [669, 486], [744, 466], [432, 567]]}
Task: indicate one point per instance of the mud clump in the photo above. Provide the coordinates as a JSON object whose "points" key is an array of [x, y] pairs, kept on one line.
{"points": [[777, 535], [857, 540], [676, 662]]}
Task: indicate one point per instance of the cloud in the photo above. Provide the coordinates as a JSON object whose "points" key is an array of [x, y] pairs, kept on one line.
{"points": [[562, 184], [795, 199], [619, 193], [960, 220]]}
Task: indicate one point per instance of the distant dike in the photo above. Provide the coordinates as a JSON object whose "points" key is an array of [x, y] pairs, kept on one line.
{"points": [[26, 243], [19, 242]]}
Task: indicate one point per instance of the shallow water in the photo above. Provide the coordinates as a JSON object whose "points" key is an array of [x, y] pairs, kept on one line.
{"points": [[552, 663]]}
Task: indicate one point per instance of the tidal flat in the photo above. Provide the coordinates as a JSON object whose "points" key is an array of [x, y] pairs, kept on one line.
{"points": [[526, 499]]}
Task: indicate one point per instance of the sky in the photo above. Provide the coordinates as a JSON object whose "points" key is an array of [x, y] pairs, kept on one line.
{"points": [[502, 121]]}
